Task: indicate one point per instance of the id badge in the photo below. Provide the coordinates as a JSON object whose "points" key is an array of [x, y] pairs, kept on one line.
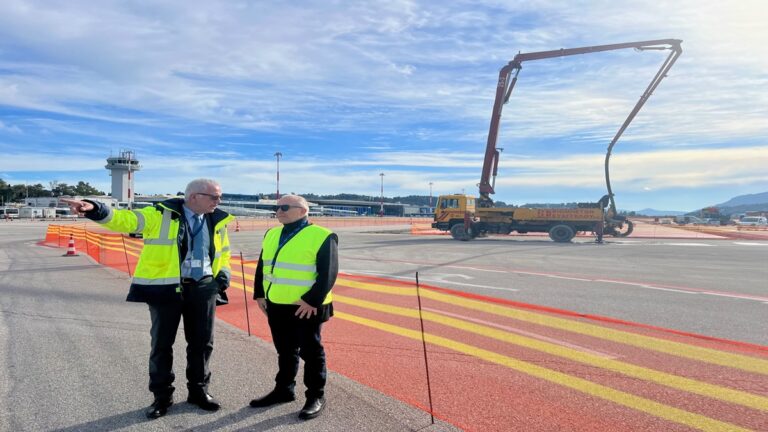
{"points": [[195, 263]]}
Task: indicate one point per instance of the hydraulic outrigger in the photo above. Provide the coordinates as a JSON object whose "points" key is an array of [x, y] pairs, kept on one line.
{"points": [[566, 225]]}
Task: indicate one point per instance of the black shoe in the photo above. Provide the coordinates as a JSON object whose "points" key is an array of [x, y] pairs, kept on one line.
{"points": [[159, 408], [273, 398], [312, 408], [204, 401]]}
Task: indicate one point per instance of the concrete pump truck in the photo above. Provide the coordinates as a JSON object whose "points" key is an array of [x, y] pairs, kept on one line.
{"points": [[467, 217]]}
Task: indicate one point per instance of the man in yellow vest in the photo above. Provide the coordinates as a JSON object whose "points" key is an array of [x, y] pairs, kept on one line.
{"points": [[183, 272], [296, 271]]}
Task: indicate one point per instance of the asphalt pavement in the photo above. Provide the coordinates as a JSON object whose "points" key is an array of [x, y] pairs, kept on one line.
{"points": [[74, 358], [75, 353]]}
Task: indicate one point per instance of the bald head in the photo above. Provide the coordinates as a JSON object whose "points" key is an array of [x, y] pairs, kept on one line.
{"points": [[298, 208]]}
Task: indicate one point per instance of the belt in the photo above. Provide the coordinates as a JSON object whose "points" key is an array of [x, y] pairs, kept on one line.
{"points": [[203, 281]]}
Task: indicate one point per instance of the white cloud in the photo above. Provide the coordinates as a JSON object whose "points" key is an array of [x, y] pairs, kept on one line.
{"points": [[231, 84]]}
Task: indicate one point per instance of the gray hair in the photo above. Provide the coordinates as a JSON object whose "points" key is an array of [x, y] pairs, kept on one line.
{"points": [[199, 186]]}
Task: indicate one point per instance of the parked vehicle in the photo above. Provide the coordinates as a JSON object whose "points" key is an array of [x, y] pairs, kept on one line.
{"points": [[692, 220], [9, 213], [753, 221]]}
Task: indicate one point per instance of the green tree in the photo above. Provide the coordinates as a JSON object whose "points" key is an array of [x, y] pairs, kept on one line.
{"points": [[83, 188], [18, 192], [5, 192], [37, 190], [63, 189]]}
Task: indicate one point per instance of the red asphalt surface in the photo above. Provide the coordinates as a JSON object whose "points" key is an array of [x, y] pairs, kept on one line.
{"points": [[477, 394], [497, 365]]}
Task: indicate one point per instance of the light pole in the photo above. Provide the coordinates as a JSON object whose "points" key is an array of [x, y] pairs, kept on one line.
{"points": [[278, 155], [430, 194], [381, 209]]}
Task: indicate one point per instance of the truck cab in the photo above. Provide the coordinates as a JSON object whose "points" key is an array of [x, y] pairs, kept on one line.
{"points": [[452, 209]]}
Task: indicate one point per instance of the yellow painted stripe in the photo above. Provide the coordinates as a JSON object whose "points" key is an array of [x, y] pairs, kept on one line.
{"points": [[638, 403], [707, 355], [669, 380]]}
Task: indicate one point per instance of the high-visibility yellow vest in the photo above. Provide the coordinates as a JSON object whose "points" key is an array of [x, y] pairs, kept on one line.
{"points": [[157, 276], [293, 273]]}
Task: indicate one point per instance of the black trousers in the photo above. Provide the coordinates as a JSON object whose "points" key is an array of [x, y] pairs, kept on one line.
{"points": [[198, 309], [296, 338]]}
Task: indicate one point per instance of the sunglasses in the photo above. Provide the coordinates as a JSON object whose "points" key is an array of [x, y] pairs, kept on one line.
{"points": [[284, 207], [211, 196]]}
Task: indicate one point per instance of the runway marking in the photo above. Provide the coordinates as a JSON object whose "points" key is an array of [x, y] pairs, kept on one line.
{"points": [[578, 354], [707, 355], [567, 278], [675, 289], [642, 285], [629, 400], [437, 280], [524, 333], [475, 268]]}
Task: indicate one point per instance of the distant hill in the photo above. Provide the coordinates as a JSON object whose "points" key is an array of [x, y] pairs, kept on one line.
{"points": [[742, 200], [735, 205], [744, 203]]}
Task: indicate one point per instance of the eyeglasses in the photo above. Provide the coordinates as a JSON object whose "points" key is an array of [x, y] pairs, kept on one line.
{"points": [[211, 196], [284, 207]]}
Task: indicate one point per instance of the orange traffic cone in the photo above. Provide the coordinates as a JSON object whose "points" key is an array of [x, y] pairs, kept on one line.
{"points": [[71, 247], [237, 226]]}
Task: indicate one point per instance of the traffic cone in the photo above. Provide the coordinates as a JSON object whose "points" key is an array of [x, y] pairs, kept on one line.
{"points": [[237, 226], [71, 247]]}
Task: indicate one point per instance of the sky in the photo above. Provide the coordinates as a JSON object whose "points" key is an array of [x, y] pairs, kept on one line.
{"points": [[347, 90]]}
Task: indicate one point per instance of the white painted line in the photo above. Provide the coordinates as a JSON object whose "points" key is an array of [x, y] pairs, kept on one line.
{"points": [[475, 268], [687, 244], [641, 285], [569, 278], [750, 244], [439, 281], [525, 333]]}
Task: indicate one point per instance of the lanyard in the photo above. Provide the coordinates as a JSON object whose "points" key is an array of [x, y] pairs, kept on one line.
{"points": [[193, 233], [289, 236]]}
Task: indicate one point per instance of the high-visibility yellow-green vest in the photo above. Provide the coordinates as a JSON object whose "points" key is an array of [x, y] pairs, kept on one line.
{"points": [[294, 271], [157, 276]]}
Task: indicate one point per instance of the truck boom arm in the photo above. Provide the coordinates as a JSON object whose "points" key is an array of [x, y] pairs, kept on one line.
{"points": [[504, 91]]}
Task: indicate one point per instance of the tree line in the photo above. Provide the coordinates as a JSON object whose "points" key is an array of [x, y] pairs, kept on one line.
{"points": [[17, 192]]}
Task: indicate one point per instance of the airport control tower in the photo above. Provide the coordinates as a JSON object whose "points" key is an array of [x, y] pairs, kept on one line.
{"points": [[121, 169]]}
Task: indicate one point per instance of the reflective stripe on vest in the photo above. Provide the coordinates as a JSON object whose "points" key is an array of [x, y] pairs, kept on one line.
{"points": [[140, 221], [294, 271]]}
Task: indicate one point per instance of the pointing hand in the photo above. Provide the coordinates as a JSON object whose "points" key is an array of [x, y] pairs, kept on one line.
{"points": [[77, 206]]}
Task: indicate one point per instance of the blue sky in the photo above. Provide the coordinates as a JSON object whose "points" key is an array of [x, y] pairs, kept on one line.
{"points": [[347, 90]]}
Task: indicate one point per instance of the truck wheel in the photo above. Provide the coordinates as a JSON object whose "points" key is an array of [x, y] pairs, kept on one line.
{"points": [[458, 233], [561, 233]]}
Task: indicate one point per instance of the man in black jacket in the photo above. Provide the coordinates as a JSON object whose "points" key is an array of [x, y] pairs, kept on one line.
{"points": [[296, 271]]}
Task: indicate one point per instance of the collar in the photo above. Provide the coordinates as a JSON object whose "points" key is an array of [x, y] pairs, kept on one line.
{"points": [[289, 227], [191, 216]]}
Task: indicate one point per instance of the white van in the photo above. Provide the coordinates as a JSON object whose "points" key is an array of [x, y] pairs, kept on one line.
{"points": [[753, 221], [9, 213]]}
